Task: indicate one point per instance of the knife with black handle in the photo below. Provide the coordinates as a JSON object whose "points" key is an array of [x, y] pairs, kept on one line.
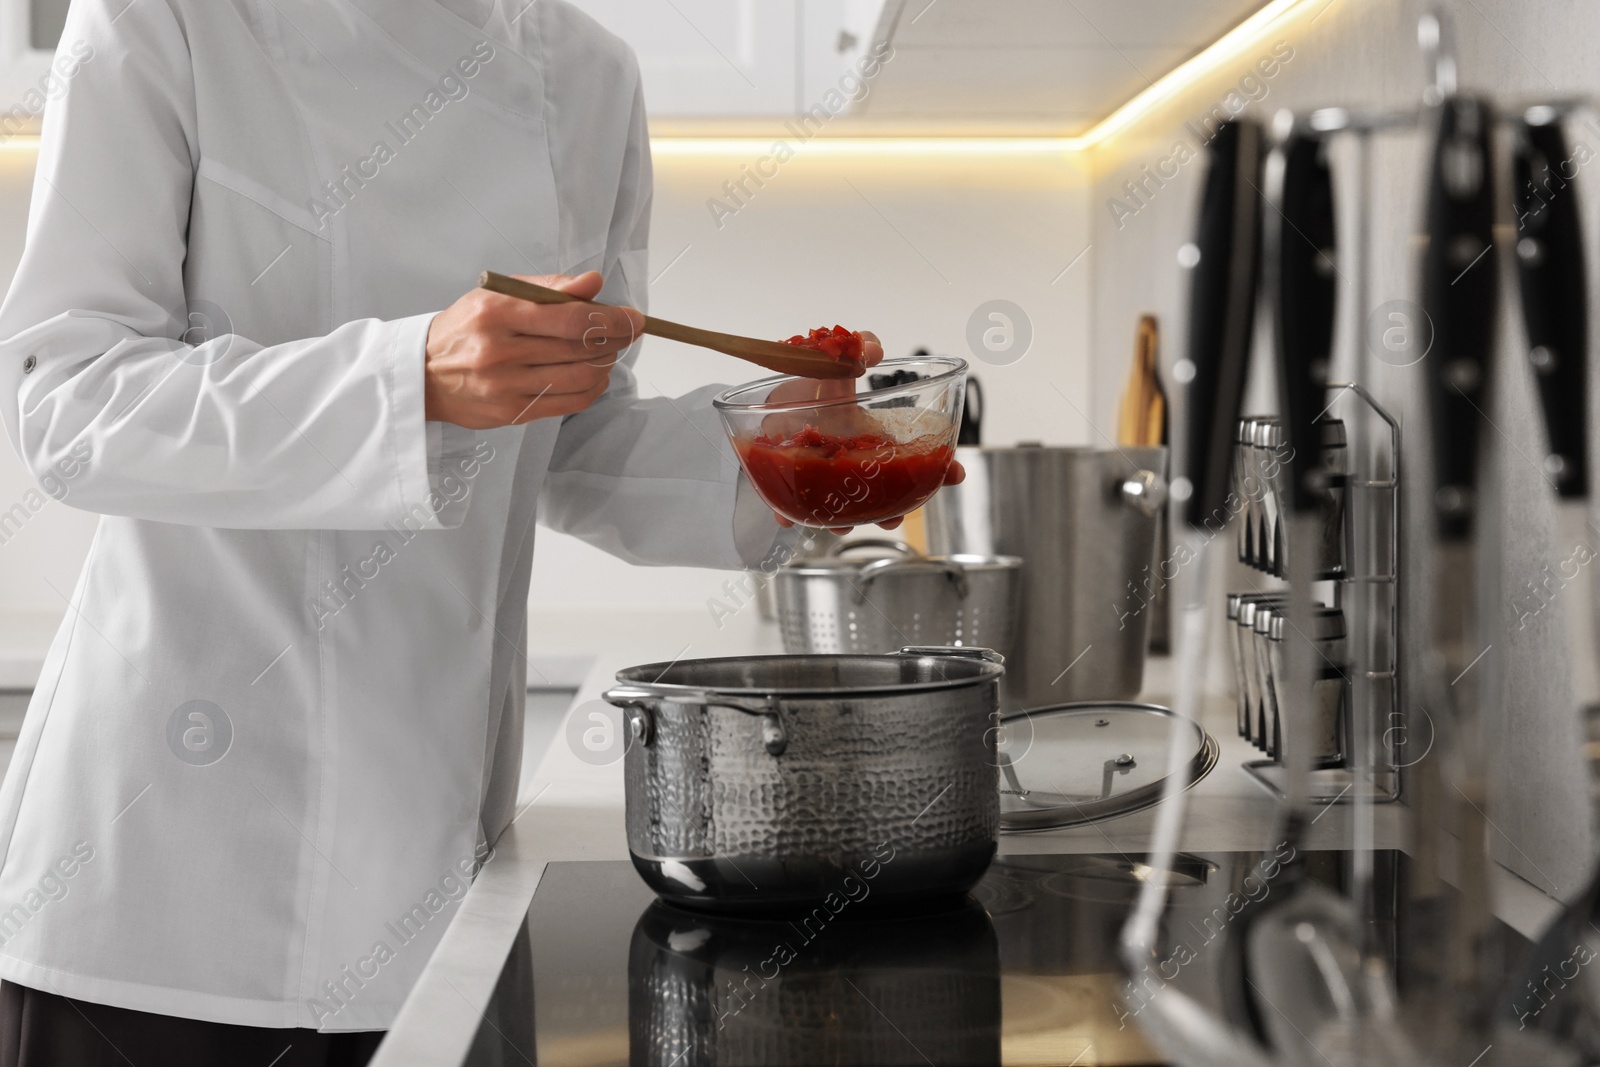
{"points": [[1460, 287], [1303, 283], [1226, 262], [1305, 294], [1221, 317], [1554, 289], [1554, 295]]}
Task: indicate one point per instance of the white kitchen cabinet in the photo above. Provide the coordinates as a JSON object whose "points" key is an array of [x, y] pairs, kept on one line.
{"points": [[700, 58], [709, 57], [835, 36], [45, 24], [739, 58]]}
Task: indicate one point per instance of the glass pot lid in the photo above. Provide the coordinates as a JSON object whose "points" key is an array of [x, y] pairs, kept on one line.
{"points": [[1072, 764]]}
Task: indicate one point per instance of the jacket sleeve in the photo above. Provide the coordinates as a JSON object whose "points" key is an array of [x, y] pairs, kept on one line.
{"points": [[96, 375], [652, 481]]}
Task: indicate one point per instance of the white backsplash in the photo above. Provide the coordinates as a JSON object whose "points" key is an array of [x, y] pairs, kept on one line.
{"points": [[907, 247]]}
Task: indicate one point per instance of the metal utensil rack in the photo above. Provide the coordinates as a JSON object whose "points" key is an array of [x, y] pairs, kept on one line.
{"points": [[1368, 592]]}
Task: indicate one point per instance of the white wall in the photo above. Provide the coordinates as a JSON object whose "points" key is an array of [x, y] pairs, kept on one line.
{"points": [[1363, 53], [811, 247]]}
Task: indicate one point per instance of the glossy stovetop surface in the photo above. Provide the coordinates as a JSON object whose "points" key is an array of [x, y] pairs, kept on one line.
{"points": [[1024, 971]]}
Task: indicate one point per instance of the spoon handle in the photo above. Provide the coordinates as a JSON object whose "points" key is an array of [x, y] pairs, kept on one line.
{"points": [[774, 355]]}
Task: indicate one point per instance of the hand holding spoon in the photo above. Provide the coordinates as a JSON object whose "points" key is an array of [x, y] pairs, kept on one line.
{"points": [[774, 355]]}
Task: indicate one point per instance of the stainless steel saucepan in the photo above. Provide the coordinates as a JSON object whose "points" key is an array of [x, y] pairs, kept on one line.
{"points": [[775, 782], [894, 596]]}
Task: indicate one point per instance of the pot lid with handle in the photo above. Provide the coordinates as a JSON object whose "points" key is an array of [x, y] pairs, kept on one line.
{"points": [[1073, 764]]}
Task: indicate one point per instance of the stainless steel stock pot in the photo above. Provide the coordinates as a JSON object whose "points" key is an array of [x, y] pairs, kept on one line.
{"points": [[764, 782]]}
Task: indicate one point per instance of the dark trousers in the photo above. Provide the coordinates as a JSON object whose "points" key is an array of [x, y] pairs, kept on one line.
{"points": [[39, 1029]]}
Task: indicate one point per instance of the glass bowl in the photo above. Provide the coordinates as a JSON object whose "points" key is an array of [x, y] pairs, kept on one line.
{"points": [[848, 453]]}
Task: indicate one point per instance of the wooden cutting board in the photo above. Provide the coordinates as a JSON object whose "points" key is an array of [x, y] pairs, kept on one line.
{"points": [[1142, 416]]}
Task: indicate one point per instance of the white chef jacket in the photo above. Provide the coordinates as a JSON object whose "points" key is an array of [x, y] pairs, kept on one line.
{"points": [[246, 214]]}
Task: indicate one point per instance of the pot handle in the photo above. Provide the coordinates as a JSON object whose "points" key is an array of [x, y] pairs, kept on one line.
{"points": [[635, 704], [641, 719], [955, 572], [1145, 492], [988, 655]]}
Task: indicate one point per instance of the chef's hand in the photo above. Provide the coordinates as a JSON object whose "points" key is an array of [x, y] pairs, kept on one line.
{"points": [[805, 390], [496, 361], [846, 420], [842, 420]]}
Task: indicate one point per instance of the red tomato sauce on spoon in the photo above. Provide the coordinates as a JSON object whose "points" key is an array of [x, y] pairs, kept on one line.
{"points": [[840, 344], [817, 479]]}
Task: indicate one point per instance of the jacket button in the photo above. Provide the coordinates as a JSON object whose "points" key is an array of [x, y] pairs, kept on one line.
{"points": [[28, 364]]}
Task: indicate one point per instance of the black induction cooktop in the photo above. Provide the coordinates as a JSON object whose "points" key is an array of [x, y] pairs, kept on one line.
{"points": [[1023, 971]]}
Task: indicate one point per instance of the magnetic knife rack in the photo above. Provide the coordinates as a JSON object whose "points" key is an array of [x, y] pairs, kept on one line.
{"points": [[1368, 592]]}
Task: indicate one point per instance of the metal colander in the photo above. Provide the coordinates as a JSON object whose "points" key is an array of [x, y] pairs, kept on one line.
{"points": [[873, 597]]}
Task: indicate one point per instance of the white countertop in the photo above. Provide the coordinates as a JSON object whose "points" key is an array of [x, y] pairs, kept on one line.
{"points": [[561, 645]]}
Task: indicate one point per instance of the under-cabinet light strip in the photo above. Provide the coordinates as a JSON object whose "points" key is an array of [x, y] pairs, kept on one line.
{"points": [[1226, 49]]}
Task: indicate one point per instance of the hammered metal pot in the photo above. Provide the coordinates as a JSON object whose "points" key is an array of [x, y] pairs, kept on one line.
{"points": [[827, 988], [763, 783]]}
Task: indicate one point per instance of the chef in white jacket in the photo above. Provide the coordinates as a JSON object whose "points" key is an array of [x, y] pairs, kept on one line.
{"points": [[279, 729]]}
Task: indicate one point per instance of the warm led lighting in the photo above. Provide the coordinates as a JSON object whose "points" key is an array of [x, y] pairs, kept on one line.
{"points": [[20, 143], [861, 146], [1224, 50]]}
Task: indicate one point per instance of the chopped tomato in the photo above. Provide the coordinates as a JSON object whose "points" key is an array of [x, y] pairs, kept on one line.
{"points": [[840, 344]]}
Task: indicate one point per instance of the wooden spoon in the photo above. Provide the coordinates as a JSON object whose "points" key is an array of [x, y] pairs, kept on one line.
{"points": [[774, 355]]}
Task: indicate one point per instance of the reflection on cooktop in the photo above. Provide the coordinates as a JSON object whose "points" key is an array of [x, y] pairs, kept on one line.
{"points": [[1024, 971], [817, 989]]}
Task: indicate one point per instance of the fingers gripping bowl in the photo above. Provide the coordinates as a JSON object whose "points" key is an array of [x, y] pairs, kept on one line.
{"points": [[821, 454]]}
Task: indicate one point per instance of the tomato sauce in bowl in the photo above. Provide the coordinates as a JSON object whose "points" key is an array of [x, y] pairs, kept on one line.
{"points": [[819, 479], [836, 454]]}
